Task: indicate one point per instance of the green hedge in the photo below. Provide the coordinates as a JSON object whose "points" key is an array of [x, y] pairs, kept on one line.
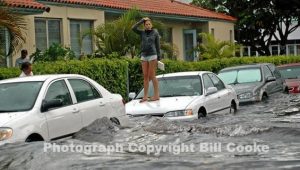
{"points": [[112, 74]]}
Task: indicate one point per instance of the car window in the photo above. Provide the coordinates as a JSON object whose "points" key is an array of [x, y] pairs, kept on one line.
{"points": [[239, 76], [176, 86], [59, 90], [217, 82], [290, 72], [277, 74], [83, 90], [18, 96], [207, 82], [267, 72]]}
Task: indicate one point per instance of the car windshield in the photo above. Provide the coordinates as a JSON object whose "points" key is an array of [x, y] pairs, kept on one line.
{"points": [[241, 76], [176, 86], [290, 72], [19, 96]]}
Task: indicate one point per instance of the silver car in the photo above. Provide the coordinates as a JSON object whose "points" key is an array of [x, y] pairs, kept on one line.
{"points": [[253, 82]]}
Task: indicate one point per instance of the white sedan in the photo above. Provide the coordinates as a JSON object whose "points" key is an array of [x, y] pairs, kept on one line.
{"points": [[49, 107], [186, 95]]}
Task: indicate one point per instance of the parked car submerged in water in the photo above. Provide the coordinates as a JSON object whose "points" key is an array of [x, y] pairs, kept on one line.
{"points": [[253, 82], [50, 107], [185, 96], [291, 75]]}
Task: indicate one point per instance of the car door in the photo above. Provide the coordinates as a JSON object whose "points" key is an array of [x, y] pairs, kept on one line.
{"points": [[211, 101], [271, 85], [89, 100], [63, 120], [224, 94], [279, 80]]}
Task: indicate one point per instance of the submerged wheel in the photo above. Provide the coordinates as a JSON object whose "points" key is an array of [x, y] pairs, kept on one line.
{"points": [[201, 113], [264, 98], [232, 107]]}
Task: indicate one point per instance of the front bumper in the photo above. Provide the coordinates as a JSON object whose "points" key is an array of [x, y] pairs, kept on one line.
{"points": [[249, 100], [192, 117]]}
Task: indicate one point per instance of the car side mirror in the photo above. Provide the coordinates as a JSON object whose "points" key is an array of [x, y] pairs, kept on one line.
{"points": [[211, 90], [131, 95], [46, 105], [271, 78]]}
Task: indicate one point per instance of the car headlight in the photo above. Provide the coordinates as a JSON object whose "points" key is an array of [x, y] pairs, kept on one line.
{"points": [[176, 113], [245, 95], [5, 133]]}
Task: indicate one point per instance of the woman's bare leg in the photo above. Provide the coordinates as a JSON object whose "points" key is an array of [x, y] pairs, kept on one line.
{"points": [[145, 68], [152, 76]]}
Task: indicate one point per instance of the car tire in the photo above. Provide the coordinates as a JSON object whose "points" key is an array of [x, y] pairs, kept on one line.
{"points": [[232, 107], [201, 113], [264, 97], [115, 120]]}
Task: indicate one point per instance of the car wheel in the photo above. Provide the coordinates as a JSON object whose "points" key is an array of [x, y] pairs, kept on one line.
{"points": [[286, 91], [264, 98], [115, 120], [201, 113], [34, 138], [232, 107]]}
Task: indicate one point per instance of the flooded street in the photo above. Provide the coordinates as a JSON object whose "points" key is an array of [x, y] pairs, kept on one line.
{"points": [[273, 126]]}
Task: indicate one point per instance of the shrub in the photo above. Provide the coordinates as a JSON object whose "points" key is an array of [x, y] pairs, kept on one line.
{"points": [[55, 52], [112, 74]]}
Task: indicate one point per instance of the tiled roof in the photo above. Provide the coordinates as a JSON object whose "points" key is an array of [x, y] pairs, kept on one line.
{"points": [[171, 7], [27, 4]]}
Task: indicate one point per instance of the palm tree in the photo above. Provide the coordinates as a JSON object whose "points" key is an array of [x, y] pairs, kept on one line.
{"points": [[15, 24], [212, 48], [116, 37]]}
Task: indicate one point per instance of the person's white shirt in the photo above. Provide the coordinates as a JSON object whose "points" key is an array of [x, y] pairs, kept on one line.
{"points": [[24, 75], [21, 60]]}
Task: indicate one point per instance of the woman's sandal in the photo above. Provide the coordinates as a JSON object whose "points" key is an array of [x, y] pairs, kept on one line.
{"points": [[143, 100], [153, 99]]}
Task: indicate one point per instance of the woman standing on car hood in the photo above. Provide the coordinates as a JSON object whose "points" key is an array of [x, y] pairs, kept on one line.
{"points": [[150, 54]]}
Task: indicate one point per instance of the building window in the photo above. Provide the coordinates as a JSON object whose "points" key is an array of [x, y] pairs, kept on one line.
{"points": [[47, 32], [4, 45], [212, 32], [246, 51], [253, 52], [231, 36], [275, 50], [297, 49], [291, 49], [81, 44]]}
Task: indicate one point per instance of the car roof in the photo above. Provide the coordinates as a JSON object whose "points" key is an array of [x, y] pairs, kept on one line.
{"points": [[40, 78], [254, 65], [188, 73], [288, 65]]}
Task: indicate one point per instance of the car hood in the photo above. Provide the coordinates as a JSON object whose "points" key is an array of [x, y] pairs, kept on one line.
{"points": [[6, 117], [159, 107], [246, 87]]}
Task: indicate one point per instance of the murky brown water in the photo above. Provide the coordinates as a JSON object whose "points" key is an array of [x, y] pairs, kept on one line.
{"points": [[275, 124]]}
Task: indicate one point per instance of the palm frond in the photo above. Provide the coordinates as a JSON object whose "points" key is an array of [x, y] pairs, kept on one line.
{"points": [[15, 25]]}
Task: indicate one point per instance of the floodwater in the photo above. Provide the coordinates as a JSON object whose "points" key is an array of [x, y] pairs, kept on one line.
{"points": [[258, 136]]}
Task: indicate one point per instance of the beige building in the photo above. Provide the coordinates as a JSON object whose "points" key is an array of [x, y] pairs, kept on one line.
{"points": [[63, 21]]}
